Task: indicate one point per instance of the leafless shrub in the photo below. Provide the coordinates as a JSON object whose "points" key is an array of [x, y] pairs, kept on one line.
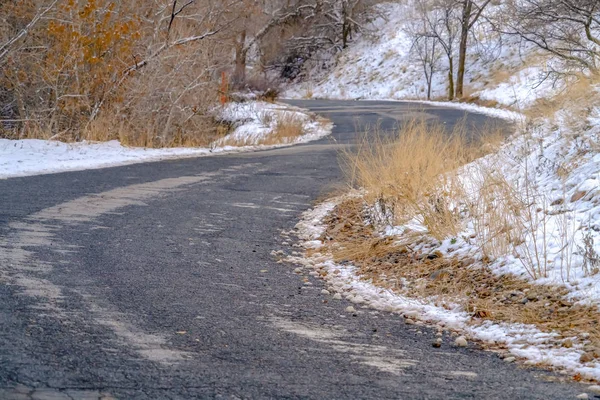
{"points": [[566, 29], [591, 259]]}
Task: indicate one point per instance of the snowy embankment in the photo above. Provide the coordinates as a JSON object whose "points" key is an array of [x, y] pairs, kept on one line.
{"points": [[521, 340], [253, 123]]}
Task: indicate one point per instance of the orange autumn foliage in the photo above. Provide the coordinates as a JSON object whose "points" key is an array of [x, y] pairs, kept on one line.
{"points": [[90, 46]]}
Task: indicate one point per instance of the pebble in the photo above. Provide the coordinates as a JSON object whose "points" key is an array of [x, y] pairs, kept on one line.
{"points": [[586, 357], [461, 341], [350, 309], [509, 359], [411, 314], [337, 296], [583, 396], [326, 292], [298, 270], [594, 389], [358, 300], [437, 343], [567, 343], [409, 321]]}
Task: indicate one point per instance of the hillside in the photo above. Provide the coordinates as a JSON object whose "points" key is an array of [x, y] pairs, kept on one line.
{"points": [[382, 64]]}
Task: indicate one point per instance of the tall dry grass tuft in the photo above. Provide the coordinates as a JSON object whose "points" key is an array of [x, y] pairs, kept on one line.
{"points": [[495, 211], [413, 174], [288, 127]]}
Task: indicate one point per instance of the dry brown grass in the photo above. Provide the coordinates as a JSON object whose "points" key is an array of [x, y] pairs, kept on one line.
{"points": [[471, 99], [496, 213], [288, 127], [413, 174], [453, 280], [110, 127], [308, 93], [403, 175], [577, 95]]}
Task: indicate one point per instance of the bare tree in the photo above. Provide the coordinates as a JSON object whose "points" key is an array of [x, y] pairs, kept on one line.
{"points": [[568, 29], [294, 30], [43, 10], [426, 49], [471, 12], [441, 23]]}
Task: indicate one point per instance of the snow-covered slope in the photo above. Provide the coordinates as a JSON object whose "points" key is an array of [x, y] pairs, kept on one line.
{"points": [[383, 65]]}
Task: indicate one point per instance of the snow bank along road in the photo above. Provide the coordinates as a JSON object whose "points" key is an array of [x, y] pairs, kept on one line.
{"points": [[157, 281]]}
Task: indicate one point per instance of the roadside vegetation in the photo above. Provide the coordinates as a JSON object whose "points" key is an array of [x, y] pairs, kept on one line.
{"points": [[499, 230], [437, 218], [155, 74]]}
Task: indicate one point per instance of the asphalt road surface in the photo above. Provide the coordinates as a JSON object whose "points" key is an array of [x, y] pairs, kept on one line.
{"points": [[156, 281]]}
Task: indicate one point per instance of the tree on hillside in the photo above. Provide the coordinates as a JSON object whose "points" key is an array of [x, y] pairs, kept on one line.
{"points": [[441, 23], [471, 12], [426, 49], [568, 29], [283, 31], [260, 20]]}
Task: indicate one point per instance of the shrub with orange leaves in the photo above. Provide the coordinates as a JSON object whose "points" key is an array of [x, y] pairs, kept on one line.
{"points": [[90, 46]]}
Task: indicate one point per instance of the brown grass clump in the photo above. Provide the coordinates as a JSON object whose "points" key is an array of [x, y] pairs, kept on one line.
{"points": [[413, 174], [576, 97], [288, 126]]}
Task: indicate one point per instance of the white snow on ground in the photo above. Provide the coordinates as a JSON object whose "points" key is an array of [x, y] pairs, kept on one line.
{"points": [[552, 167], [556, 171], [381, 65], [34, 157], [524, 341], [552, 171], [255, 121]]}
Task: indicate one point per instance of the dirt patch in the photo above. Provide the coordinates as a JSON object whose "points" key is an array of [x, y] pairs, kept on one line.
{"points": [[395, 264]]}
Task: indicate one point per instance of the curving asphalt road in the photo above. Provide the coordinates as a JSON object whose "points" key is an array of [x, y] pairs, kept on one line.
{"points": [[156, 281]]}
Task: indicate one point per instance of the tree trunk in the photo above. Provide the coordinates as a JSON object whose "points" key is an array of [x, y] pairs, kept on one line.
{"points": [[462, 51], [239, 75], [345, 27], [345, 34], [430, 81], [451, 78]]}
